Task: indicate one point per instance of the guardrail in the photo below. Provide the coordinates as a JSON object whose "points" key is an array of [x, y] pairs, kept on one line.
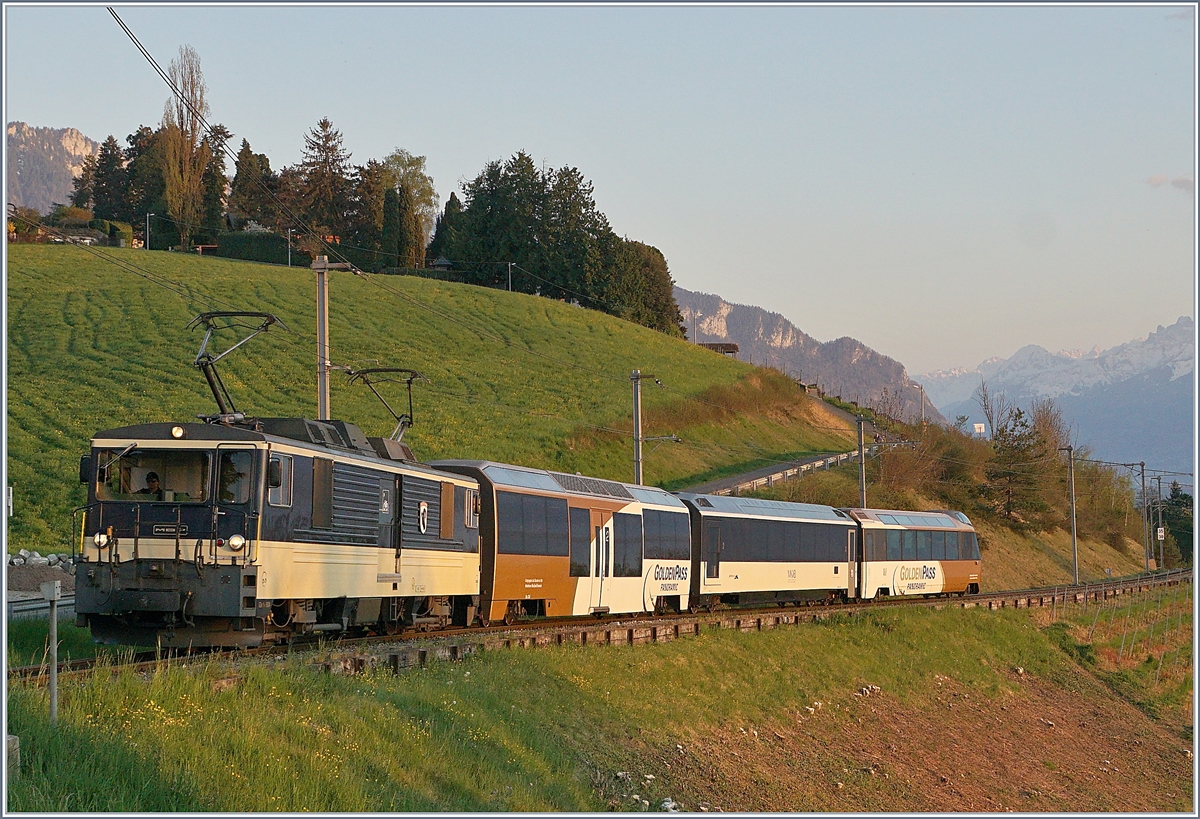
{"points": [[794, 472]]}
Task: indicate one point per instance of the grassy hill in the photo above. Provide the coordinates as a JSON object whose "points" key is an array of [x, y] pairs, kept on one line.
{"points": [[94, 343]]}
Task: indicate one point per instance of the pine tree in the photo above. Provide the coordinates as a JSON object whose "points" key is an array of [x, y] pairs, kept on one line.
{"points": [[444, 227], [212, 212], [252, 188], [110, 186], [408, 236], [389, 245], [82, 186], [325, 168], [147, 188]]}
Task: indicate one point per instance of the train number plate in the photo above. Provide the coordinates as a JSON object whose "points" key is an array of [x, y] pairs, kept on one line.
{"points": [[169, 529]]}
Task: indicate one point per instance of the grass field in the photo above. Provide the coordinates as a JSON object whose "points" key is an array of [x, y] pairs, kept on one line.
{"points": [[512, 377], [698, 721]]}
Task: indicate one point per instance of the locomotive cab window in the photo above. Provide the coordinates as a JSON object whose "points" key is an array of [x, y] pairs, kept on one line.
{"points": [[279, 492], [234, 476], [170, 476]]}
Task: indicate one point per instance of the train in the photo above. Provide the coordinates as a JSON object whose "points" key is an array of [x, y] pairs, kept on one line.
{"points": [[238, 532]]}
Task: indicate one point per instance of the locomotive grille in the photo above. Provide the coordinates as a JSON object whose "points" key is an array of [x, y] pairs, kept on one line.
{"points": [[591, 486]]}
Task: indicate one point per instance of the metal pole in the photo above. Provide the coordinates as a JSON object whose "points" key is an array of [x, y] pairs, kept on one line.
{"points": [[320, 265], [289, 247], [862, 466], [510, 277], [54, 662], [636, 378], [1162, 556], [148, 215], [1145, 521], [1071, 480]]}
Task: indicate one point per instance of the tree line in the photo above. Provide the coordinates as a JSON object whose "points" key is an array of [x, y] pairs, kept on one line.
{"points": [[539, 229]]}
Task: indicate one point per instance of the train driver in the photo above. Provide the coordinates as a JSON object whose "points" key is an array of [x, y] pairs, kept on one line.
{"points": [[151, 487]]}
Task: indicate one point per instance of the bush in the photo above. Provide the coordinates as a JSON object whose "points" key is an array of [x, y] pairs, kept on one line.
{"points": [[116, 231], [258, 247]]}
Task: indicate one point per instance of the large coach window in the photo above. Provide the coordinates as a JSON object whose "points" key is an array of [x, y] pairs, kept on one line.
{"points": [[581, 542], [924, 545], [627, 545], [531, 525], [667, 535]]}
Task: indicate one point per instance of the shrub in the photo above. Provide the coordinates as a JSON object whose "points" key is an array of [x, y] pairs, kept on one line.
{"points": [[259, 247]]}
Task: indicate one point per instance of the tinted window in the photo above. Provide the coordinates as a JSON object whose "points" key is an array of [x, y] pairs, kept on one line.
{"points": [[581, 542], [908, 541], [667, 535], [531, 525], [627, 546], [974, 545], [893, 544], [939, 545], [924, 545]]}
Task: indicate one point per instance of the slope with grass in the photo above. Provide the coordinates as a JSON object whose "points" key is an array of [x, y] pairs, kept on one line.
{"points": [[895, 710], [94, 345]]}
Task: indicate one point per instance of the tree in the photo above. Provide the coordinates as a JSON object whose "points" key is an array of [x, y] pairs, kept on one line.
{"points": [[144, 171], [445, 226], [325, 170], [389, 245], [1015, 472], [366, 218], [185, 154], [409, 171], [110, 186], [410, 252], [81, 187], [995, 407], [212, 212], [250, 193], [1178, 520], [639, 286]]}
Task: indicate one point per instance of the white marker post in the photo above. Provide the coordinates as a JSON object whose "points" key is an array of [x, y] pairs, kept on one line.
{"points": [[52, 593]]}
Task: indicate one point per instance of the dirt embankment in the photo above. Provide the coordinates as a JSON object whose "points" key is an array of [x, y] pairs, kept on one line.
{"points": [[30, 578], [1044, 748]]}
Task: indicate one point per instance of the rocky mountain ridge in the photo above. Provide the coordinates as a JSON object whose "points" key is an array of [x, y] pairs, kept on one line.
{"points": [[844, 367], [43, 162]]}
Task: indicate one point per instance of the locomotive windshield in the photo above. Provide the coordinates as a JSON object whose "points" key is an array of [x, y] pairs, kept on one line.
{"points": [[168, 475]]}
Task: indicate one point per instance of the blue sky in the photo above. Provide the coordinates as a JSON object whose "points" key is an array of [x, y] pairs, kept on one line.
{"points": [[945, 184]]}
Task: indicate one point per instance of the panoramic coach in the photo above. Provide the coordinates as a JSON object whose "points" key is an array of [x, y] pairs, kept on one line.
{"points": [[917, 553], [236, 534], [758, 551], [555, 544]]}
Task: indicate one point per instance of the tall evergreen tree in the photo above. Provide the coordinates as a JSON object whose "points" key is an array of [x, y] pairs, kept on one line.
{"points": [[110, 187], [212, 213], [389, 244], [325, 167], [445, 226], [82, 186], [147, 188], [409, 250], [366, 218], [252, 189]]}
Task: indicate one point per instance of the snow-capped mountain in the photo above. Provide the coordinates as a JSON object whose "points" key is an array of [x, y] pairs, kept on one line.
{"points": [[1132, 402]]}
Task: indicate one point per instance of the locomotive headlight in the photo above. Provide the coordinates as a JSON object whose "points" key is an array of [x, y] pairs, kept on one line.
{"points": [[237, 542], [100, 539], [176, 432]]}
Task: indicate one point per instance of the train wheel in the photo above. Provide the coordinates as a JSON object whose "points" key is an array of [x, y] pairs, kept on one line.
{"points": [[512, 613]]}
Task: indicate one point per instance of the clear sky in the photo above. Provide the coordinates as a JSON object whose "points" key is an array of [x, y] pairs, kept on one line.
{"points": [[944, 184]]}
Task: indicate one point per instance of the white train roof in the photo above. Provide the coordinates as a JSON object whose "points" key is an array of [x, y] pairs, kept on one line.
{"points": [[758, 507], [523, 477]]}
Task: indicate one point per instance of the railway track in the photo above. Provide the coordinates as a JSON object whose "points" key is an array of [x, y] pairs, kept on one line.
{"points": [[417, 648]]}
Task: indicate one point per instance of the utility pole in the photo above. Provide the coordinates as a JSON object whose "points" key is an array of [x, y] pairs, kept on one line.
{"points": [[862, 466], [1071, 480], [510, 277], [1145, 520], [148, 215], [1162, 557], [322, 267], [636, 378], [289, 247], [52, 593]]}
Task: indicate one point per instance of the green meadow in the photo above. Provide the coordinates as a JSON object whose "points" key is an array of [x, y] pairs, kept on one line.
{"points": [[98, 340]]}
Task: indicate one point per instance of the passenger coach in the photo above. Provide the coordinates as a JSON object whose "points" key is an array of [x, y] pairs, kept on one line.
{"points": [[752, 550], [917, 553], [554, 544]]}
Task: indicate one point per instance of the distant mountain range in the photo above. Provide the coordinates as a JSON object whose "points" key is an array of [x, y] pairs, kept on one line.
{"points": [[843, 367], [42, 164], [1129, 403]]}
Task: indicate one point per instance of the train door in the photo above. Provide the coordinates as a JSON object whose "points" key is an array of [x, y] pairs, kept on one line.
{"points": [[235, 507], [602, 555], [393, 518], [710, 553], [851, 564]]}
